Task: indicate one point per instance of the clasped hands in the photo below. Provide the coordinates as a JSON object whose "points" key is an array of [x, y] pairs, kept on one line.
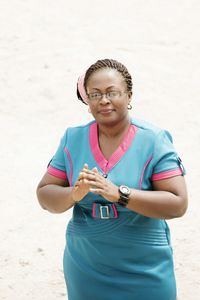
{"points": [[93, 181]]}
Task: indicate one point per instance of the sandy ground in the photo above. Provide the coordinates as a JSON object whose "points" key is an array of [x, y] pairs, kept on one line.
{"points": [[44, 47]]}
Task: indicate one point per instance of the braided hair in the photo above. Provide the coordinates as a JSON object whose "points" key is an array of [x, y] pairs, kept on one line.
{"points": [[110, 64]]}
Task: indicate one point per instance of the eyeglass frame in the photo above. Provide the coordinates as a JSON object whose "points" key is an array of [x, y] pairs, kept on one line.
{"points": [[106, 94]]}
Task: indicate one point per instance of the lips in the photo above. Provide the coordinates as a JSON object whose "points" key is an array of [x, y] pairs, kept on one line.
{"points": [[105, 111]]}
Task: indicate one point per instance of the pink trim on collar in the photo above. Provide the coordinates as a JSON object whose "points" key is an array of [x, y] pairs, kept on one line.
{"points": [[103, 163]]}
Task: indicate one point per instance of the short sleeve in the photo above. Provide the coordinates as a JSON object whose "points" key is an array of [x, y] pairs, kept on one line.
{"points": [[166, 162], [56, 166]]}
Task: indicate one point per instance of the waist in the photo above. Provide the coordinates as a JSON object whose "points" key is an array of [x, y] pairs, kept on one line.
{"points": [[127, 233], [127, 225]]}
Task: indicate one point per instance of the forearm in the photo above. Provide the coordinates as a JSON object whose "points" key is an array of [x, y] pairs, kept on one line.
{"points": [[55, 198], [156, 204]]}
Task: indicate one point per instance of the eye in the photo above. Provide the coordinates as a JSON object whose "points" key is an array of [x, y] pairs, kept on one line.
{"points": [[94, 95], [113, 94]]}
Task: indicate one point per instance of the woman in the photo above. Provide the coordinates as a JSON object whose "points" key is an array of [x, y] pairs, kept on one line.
{"points": [[123, 178]]}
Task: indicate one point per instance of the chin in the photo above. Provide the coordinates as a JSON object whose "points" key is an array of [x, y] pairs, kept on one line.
{"points": [[110, 120], [107, 121]]}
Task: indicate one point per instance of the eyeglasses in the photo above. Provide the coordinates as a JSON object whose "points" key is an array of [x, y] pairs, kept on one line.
{"points": [[109, 95]]}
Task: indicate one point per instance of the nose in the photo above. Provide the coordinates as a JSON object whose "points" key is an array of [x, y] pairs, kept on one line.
{"points": [[104, 100]]}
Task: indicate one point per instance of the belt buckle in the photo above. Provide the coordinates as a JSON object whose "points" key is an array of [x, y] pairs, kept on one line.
{"points": [[104, 211], [106, 208]]}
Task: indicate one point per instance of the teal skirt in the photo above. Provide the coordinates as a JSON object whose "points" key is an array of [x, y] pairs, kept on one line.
{"points": [[121, 259]]}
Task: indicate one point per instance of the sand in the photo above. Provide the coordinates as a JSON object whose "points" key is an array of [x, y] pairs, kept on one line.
{"points": [[44, 47]]}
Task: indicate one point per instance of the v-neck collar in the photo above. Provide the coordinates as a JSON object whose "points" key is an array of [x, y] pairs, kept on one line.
{"points": [[103, 163]]}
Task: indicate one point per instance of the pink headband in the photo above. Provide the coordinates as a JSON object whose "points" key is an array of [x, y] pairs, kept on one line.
{"points": [[81, 88]]}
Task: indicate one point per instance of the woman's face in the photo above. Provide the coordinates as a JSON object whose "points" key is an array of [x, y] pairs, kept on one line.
{"points": [[111, 107]]}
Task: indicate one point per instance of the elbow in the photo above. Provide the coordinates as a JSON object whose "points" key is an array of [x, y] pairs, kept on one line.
{"points": [[42, 205], [180, 208], [46, 204], [40, 198], [182, 211]]}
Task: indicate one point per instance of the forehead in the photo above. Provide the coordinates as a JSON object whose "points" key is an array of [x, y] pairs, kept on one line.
{"points": [[106, 78]]}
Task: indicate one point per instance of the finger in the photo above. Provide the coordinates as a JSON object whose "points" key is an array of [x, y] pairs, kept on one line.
{"points": [[94, 184], [95, 170], [83, 182], [85, 168], [86, 182], [84, 173], [91, 175], [80, 183], [96, 191], [77, 184], [81, 175], [87, 171]]}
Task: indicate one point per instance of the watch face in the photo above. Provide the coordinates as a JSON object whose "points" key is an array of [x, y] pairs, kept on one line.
{"points": [[124, 190]]}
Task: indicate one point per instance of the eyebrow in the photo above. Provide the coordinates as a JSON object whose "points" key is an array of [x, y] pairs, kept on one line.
{"points": [[110, 87]]}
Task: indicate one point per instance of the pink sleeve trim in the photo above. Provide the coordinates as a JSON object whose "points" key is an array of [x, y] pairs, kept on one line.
{"points": [[57, 173], [166, 174]]}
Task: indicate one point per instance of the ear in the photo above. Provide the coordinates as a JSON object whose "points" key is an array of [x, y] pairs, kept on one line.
{"points": [[129, 98], [130, 94]]}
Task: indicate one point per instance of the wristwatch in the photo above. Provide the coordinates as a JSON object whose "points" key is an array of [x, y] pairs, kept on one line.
{"points": [[124, 192]]}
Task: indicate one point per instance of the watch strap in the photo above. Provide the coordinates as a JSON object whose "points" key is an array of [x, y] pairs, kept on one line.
{"points": [[123, 200]]}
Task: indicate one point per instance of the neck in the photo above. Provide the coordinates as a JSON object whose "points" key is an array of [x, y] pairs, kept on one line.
{"points": [[113, 130]]}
